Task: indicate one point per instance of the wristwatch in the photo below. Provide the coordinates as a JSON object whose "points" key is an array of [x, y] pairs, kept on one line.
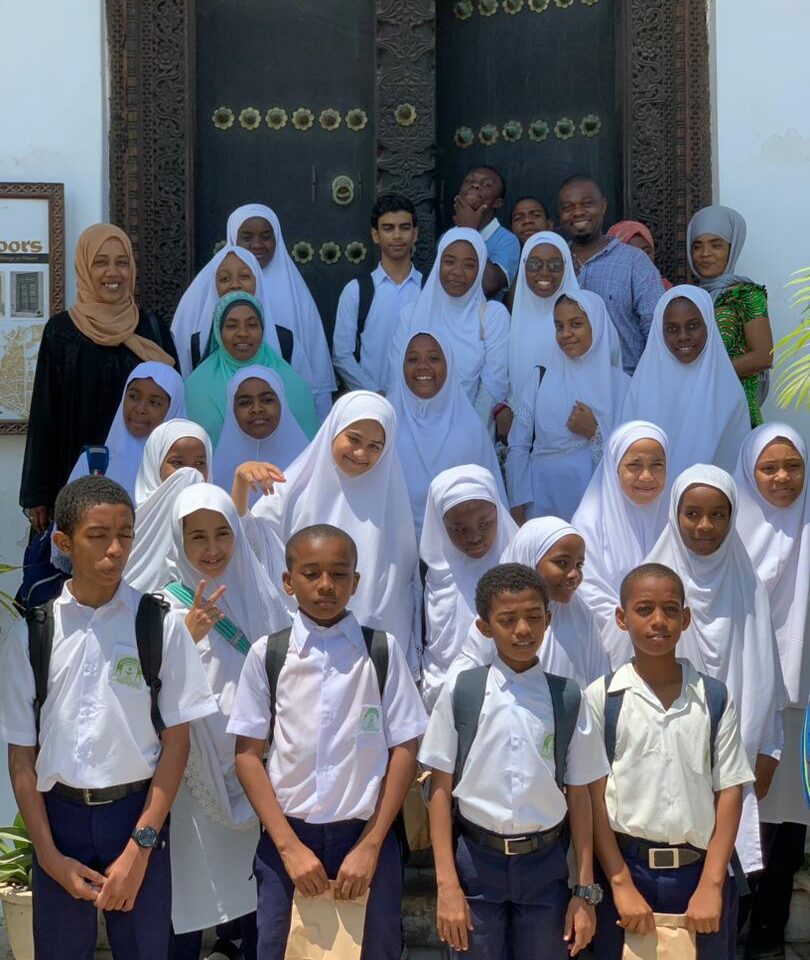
{"points": [[149, 839], [592, 893]]}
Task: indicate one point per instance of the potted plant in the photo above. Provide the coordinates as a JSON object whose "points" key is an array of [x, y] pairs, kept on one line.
{"points": [[792, 353], [16, 855]]}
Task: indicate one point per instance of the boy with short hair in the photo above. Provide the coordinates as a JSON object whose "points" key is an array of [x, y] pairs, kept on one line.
{"points": [[666, 816], [527, 217], [482, 194], [519, 786], [93, 782], [369, 307], [342, 753]]}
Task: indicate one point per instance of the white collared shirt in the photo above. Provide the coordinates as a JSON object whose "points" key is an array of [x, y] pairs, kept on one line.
{"points": [[378, 333], [662, 786], [332, 735], [95, 726], [508, 784]]}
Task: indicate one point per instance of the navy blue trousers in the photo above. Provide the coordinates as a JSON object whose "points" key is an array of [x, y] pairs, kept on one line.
{"points": [[667, 891], [96, 836], [187, 946], [517, 903], [330, 842]]}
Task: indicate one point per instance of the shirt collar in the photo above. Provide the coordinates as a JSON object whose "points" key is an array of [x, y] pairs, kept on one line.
{"points": [[125, 595], [504, 676], [626, 678], [487, 231], [611, 245], [305, 630], [379, 275]]}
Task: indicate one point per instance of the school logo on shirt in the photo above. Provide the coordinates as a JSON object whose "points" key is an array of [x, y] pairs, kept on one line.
{"points": [[128, 672], [370, 720], [547, 752]]}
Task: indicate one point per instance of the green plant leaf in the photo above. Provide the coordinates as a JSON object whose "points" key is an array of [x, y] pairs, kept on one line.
{"points": [[19, 837]]}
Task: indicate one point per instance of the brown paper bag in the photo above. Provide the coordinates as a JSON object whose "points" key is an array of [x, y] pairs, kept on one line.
{"points": [[325, 928], [415, 813], [671, 940]]}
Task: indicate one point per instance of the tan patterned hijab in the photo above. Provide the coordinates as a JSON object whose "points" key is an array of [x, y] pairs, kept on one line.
{"points": [[108, 324]]}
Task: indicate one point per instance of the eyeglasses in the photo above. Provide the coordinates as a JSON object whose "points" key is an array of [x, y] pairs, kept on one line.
{"points": [[554, 265]]}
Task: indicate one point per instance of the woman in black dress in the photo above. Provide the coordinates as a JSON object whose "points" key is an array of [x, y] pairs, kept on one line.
{"points": [[84, 359]]}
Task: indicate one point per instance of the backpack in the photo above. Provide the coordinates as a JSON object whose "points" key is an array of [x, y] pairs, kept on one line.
{"points": [[148, 634], [286, 341], [366, 284], [468, 698], [278, 643]]}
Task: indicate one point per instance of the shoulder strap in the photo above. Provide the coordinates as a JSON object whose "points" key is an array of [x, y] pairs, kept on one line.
{"points": [[716, 700], [377, 647], [366, 284], [541, 372], [482, 312], [277, 646], [468, 698], [613, 706], [566, 697], [286, 341], [196, 354], [40, 644], [149, 637]]}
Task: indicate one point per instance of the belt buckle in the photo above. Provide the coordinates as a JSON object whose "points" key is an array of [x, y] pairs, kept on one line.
{"points": [[87, 795], [507, 845], [664, 858]]}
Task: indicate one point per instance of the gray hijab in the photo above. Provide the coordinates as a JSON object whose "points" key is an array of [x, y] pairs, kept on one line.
{"points": [[728, 224]]}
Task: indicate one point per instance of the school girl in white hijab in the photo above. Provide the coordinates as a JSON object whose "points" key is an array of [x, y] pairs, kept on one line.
{"points": [[438, 432], [195, 315], [452, 575], [474, 329], [214, 828], [731, 634], [700, 404], [124, 448], [373, 508], [548, 466], [618, 532], [147, 568], [777, 538], [235, 447], [291, 304]]}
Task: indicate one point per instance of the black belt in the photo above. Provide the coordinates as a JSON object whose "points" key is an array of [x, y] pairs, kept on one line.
{"points": [[511, 846], [101, 795], [660, 856]]}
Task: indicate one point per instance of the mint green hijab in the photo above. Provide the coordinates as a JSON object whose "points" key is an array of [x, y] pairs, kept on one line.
{"points": [[207, 386]]}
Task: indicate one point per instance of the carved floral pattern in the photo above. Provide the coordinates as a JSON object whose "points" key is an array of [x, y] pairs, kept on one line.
{"points": [[250, 118], [330, 252]]}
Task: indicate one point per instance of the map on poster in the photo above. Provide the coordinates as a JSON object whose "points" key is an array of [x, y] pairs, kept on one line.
{"points": [[24, 298]]}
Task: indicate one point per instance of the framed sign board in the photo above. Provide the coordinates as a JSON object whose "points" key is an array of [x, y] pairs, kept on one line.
{"points": [[32, 288]]}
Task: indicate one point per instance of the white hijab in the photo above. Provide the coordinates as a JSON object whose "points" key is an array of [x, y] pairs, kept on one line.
{"points": [[573, 645], [253, 605], [700, 405], [531, 337], [289, 299], [618, 534], [778, 541], [452, 576], [731, 636], [195, 312], [373, 509], [435, 434], [283, 445], [147, 568], [125, 450], [458, 320]]}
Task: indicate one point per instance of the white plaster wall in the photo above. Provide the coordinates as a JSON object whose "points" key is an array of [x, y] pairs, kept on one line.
{"points": [[54, 121], [762, 145]]}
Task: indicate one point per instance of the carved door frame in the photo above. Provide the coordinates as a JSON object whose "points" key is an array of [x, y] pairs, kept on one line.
{"points": [[663, 81]]}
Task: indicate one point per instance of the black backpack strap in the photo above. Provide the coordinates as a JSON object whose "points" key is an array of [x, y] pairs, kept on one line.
{"points": [[286, 342], [366, 283], [196, 353], [541, 372], [277, 646], [40, 644], [566, 698], [613, 706], [377, 647], [468, 698], [716, 700], [149, 619]]}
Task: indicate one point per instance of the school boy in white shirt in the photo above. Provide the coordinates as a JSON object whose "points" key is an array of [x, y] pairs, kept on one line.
{"points": [[666, 816], [369, 307], [95, 795], [501, 856], [343, 730]]}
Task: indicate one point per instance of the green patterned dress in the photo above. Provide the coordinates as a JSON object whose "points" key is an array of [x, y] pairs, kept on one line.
{"points": [[733, 309]]}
